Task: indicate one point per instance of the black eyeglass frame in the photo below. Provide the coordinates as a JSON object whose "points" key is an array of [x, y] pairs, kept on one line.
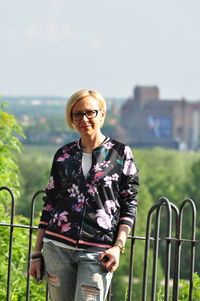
{"points": [[84, 114]]}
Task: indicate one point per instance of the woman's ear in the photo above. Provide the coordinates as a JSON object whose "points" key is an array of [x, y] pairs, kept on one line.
{"points": [[103, 113], [102, 118]]}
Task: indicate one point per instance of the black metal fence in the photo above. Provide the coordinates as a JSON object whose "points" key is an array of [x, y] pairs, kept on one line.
{"points": [[173, 222]]}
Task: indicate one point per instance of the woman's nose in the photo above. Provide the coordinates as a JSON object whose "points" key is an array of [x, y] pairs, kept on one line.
{"points": [[85, 118]]}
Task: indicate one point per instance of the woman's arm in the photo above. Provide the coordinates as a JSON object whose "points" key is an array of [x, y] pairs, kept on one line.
{"points": [[39, 240], [35, 264], [110, 258], [128, 203]]}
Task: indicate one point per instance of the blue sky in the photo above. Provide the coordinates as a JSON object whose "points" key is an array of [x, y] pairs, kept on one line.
{"points": [[55, 47]]}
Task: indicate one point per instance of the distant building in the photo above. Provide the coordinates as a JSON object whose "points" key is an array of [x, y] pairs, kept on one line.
{"points": [[149, 121]]}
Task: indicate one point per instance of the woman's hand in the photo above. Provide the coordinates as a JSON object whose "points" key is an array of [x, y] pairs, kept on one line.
{"points": [[35, 268], [110, 259]]}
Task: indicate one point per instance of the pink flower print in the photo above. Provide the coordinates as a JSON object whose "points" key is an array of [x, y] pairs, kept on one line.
{"points": [[97, 167], [129, 168], [134, 202], [65, 227], [103, 219], [92, 188], [108, 181], [115, 177], [62, 217], [99, 175], [63, 157], [81, 198], [50, 184], [109, 206], [48, 208], [108, 145], [55, 217], [66, 150], [128, 153], [74, 191], [124, 193], [78, 207], [105, 164]]}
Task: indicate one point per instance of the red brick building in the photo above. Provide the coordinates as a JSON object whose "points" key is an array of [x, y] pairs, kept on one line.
{"points": [[149, 121]]}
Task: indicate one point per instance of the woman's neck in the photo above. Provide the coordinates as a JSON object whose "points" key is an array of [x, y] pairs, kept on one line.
{"points": [[90, 143]]}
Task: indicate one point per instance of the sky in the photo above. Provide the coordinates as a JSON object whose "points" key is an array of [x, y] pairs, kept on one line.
{"points": [[56, 47]]}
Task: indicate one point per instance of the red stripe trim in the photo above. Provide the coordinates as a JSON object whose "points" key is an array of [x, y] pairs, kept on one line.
{"points": [[61, 236], [93, 244], [78, 242], [44, 223], [126, 219]]}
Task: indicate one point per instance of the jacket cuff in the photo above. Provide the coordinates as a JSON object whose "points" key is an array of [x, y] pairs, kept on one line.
{"points": [[126, 221], [43, 225]]}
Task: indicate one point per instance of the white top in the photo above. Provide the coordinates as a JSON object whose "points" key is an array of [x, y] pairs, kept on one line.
{"points": [[86, 163]]}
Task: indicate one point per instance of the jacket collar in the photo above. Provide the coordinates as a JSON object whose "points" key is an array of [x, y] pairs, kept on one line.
{"points": [[79, 146]]}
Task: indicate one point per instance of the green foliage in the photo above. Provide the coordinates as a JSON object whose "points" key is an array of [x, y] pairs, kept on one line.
{"points": [[9, 146], [165, 172], [34, 176], [184, 288], [19, 262]]}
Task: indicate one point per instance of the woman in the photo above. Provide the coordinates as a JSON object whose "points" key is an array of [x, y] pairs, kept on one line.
{"points": [[89, 208]]}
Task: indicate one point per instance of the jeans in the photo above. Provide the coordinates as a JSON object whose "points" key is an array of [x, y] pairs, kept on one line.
{"points": [[74, 275]]}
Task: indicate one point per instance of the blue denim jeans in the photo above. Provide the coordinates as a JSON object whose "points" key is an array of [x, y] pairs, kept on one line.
{"points": [[75, 275]]}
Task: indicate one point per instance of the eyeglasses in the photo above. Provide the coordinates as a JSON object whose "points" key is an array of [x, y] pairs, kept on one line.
{"points": [[89, 114]]}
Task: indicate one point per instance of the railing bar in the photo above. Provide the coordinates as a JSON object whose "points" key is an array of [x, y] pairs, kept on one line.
{"points": [[192, 271], [183, 240], [176, 271], [130, 284], [47, 291], [146, 255], [140, 238], [168, 249], [193, 246], [155, 255], [30, 241], [10, 241], [18, 226]]}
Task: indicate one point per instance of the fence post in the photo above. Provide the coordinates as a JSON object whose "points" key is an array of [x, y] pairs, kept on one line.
{"points": [[30, 240], [162, 201], [10, 240]]}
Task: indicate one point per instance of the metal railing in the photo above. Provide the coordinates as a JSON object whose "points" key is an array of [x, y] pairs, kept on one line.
{"points": [[173, 235]]}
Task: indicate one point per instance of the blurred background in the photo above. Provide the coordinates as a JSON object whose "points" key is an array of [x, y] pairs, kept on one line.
{"points": [[143, 57]]}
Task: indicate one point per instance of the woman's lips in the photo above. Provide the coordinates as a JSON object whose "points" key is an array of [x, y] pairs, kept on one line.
{"points": [[85, 126]]}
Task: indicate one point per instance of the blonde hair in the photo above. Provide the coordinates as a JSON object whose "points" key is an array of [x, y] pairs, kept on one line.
{"points": [[78, 96]]}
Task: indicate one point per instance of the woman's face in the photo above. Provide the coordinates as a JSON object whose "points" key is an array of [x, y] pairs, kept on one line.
{"points": [[87, 126]]}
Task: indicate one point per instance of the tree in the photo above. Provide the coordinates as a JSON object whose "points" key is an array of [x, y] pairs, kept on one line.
{"points": [[9, 176], [10, 131]]}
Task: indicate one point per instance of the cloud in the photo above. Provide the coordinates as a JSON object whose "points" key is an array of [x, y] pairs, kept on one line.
{"points": [[60, 3], [69, 34], [31, 32], [10, 33], [52, 30]]}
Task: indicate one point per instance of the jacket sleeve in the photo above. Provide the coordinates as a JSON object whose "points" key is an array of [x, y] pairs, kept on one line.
{"points": [[52, 192], [128, 189]]}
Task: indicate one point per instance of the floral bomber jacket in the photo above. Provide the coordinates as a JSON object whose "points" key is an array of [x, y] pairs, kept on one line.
{"points": [[86, 212]]}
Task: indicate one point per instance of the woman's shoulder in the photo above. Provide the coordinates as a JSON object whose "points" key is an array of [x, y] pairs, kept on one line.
{"points": [[119, 143], [66, 148]]}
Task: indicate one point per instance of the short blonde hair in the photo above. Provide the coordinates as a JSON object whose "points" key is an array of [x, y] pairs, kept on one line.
{"points": [[78, 96]]}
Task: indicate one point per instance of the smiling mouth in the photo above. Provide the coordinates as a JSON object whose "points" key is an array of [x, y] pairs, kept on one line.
{"points": [[86, 126]]}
